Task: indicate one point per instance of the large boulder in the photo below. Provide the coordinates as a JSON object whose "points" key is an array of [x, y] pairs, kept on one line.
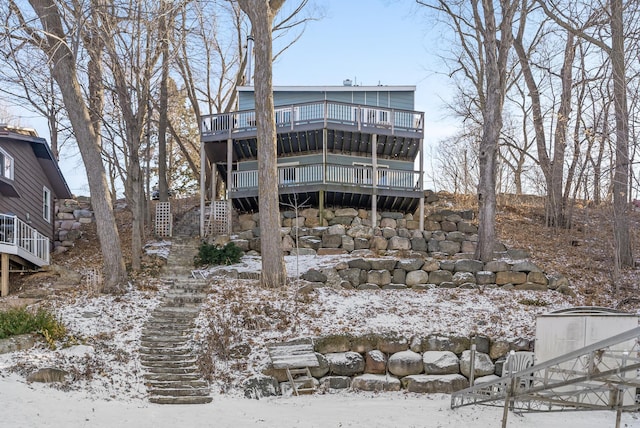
{"points": [[405, 363], [335, 382], [375, 362], [379, 277], [260, 386], [333, 343], [375, 382], [440, 362], [435, 383], [483, 364], [345, 363], [416, 277]]}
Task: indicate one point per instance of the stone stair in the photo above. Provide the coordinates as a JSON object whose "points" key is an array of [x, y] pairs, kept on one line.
{"points": [[171, 373]]}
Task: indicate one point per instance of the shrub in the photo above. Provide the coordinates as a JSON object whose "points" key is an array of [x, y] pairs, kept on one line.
{"points": [[215, 255], [21, 321]]}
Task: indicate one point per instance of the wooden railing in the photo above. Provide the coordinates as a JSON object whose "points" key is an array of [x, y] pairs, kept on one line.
{"points": [[323, 112], [350, 175], [17, 237]]}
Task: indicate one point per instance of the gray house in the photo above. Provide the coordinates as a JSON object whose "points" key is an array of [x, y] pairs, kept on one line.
{"points": [[338, 146], [30, 182]]}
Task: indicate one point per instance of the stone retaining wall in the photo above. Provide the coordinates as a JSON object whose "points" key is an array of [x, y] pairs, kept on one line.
{"points": [[432, 364], [70, 215]]}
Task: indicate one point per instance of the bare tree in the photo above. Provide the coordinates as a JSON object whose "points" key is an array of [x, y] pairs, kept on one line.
{"points": [[55, 42], [261, 14]]}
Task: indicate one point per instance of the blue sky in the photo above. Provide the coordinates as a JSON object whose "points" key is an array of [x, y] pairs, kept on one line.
{"points": [[388, 42]]}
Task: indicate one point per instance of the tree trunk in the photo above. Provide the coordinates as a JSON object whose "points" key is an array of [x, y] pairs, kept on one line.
{"points": [[163, 189], [621, 175], [261, 14], [64, 71]]}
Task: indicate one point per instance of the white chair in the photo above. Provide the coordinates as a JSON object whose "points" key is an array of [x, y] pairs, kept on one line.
{"points": [[518, 361]]}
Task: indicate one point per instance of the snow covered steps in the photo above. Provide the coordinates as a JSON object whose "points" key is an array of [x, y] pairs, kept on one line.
{"points": [[165, 353]]}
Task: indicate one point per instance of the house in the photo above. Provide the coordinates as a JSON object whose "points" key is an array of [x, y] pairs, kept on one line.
{"points": [[338, 146], [30, 182]]}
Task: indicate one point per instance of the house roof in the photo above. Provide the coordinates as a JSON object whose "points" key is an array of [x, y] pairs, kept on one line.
{"points": [[45, 158]]}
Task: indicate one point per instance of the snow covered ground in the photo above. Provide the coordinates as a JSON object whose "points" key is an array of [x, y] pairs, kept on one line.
{"points": [[105, 389]]}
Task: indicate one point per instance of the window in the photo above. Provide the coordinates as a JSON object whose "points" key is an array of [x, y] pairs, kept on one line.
{"points": [[46, 204], [6, 165]]}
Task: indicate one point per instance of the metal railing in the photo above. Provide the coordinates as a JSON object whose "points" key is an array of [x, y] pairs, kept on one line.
{"points": [[317, 112], [354, 175], [27, 241]]}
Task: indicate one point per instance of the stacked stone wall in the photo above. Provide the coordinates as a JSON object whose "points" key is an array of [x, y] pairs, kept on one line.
{"points": [[70, 216]]}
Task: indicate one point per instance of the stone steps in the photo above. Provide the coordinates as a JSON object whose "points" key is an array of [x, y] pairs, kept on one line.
{"points": [[165, 352]]}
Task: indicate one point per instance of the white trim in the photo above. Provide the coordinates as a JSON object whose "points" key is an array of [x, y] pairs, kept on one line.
{"points": [[340, 88], [7, 173], [46, 204]]}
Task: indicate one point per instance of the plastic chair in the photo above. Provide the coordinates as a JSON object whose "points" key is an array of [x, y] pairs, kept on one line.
{"points": [[518, 361]]}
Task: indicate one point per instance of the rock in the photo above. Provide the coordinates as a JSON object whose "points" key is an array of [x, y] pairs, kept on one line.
{"points": [[387, 232], [449, 247], [393, 286], [430, 384], [360, 264], [466, 227], [410, 264], [390, 343], [388, 223], [346, 212], [331, 241], [510, 278], [330, 251], [483, 343], [448, 226], [416, 277], [379, 277], [485, 379], [399, 243], [483, 364], [336, 229], [485, 277], [379, 243], [556, 281], [440, 362], [496, 266], [431, 265], [383, 264], [365, 232], [467, 265], [517, 254], [368, 286], [260, 386], [530, 286], [399, 276], [460, 278], [48, 375], [525, 266], [375, 382], [348, 243], [499, 348], [537, 278], [456, 236], [333, 343], [17, 343], [419, 244], [455, 344], [335, 382], [405, 363], [345, 363], [375, 362], [351, 275], [322, 369], [314, 276], [439, 276]]}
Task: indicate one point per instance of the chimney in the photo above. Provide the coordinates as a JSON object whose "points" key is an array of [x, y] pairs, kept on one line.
{"points": [[248, 70]]}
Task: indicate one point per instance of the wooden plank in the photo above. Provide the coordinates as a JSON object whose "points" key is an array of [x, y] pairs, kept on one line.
{"points": [[293, 356], [4, 272]]}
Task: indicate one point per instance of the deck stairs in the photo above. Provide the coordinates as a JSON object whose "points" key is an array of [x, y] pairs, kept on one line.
{"points": [[602, 376]]}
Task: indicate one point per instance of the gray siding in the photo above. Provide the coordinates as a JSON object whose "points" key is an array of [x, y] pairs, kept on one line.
{"points": [[29, 179], [403, 100]]}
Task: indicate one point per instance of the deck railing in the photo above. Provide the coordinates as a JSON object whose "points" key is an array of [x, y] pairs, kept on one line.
{"points": [[361, 117], [17, 237], [357, 176]]}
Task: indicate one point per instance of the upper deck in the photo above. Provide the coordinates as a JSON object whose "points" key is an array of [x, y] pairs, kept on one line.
{"points": [[316, 115]]}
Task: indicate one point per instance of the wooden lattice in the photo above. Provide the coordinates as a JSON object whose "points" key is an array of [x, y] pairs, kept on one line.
{"points": [[218, 221], [164, 219]]}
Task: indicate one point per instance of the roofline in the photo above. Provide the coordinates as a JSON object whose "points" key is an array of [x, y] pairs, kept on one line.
{"points": [[336, 88]]}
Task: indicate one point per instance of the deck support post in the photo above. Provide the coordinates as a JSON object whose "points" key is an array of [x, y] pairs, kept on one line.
{"points": [[203, 190], [4, 272], [421, 185], [374, 180], [229, 185], [324, 175]]}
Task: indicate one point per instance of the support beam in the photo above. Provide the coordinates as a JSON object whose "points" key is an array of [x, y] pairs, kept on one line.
{"points": [[4, 272], [229, 185], [374, 179], [203, 190], [421, 185]]}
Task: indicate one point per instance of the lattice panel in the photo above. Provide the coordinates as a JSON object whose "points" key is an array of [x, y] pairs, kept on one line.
{"points": [[164, 219], [219, 218]]}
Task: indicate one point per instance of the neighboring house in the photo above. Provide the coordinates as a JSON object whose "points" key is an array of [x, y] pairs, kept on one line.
{"points": [[30, 182], [338, 146]]}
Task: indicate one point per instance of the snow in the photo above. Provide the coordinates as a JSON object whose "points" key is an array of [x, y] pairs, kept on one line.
{"points": [[105, 386]]}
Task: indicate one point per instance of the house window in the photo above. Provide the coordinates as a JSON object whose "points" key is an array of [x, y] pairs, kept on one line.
{"points": [[46, 204], [6, 165]]}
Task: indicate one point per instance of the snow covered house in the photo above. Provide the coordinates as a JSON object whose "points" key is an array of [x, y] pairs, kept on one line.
{"points": [[338, 146], [30, 181]]}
